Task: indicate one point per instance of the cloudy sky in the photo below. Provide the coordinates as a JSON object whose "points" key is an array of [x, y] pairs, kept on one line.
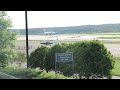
{"points": [[37, 19]]}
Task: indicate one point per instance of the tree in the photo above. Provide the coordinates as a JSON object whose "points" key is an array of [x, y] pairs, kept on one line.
{"points": [[7, 39]]}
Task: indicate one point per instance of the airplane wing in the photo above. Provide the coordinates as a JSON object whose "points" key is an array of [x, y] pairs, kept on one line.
{"points": [[55, 41], [49, 42]]}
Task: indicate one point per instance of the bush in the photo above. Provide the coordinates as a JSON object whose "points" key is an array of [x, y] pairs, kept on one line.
{"points": [[23, 73], [27, 73], [37, 58], [44, 57], [51, 75], [92, 59], [19, 59], [6, 76], [50, 58]]}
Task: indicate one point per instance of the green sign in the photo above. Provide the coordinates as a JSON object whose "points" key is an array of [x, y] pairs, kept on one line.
{"points": [[64, 57]]}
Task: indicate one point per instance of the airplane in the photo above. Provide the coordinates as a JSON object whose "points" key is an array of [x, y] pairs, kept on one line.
{"points": [[49, 42], [49, 33]]}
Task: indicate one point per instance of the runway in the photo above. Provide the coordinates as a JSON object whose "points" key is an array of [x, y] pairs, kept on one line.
{"points": [[34, 41]]}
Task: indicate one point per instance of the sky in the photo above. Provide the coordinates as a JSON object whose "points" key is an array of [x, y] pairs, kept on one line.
{"points": [[43, 19]]}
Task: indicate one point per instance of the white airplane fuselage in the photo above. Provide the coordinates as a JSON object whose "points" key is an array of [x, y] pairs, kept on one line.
{"points": [[49, 33]]}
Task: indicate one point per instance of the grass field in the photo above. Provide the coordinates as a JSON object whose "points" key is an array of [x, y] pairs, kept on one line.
{"points": [[116, 70]]}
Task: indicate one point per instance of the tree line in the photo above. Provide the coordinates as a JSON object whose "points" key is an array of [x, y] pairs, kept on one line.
{"points": [[73, 29]]}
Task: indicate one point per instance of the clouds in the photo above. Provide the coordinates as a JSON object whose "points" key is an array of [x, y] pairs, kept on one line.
{"points": [[38, 19]]}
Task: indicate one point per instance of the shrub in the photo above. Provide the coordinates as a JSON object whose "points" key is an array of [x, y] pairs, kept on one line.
{"points": [[44, 57], [51, 75], [50, 58], [22, 73], [37, 58], [27, 73], [6, 76], [92, 59], [19, 59]]}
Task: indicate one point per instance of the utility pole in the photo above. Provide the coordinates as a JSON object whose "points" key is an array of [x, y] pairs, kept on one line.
{"points": [[27, 52]]}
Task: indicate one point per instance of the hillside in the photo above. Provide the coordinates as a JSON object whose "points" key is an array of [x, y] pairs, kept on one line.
{"points": [[73, 29]]}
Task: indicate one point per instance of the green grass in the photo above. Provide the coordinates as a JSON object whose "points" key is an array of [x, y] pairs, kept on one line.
{"points": [[103, 41], [116, 70], [116, 33], [110, 37], [110, 42]]}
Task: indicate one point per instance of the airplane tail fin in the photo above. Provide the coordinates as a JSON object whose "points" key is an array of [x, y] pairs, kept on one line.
{"points": [[44, 30]]}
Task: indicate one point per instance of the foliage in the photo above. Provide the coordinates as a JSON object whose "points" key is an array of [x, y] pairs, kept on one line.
{"points": [[20, 57], [50, 58], [44, 58], [37, 58], [23, 73], [51, 75], [27, 73], [7, 40], [92, 59], [6, 76]]}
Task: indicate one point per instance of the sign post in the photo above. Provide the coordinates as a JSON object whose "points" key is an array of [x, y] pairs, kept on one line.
{"points": [[64, 57]]}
